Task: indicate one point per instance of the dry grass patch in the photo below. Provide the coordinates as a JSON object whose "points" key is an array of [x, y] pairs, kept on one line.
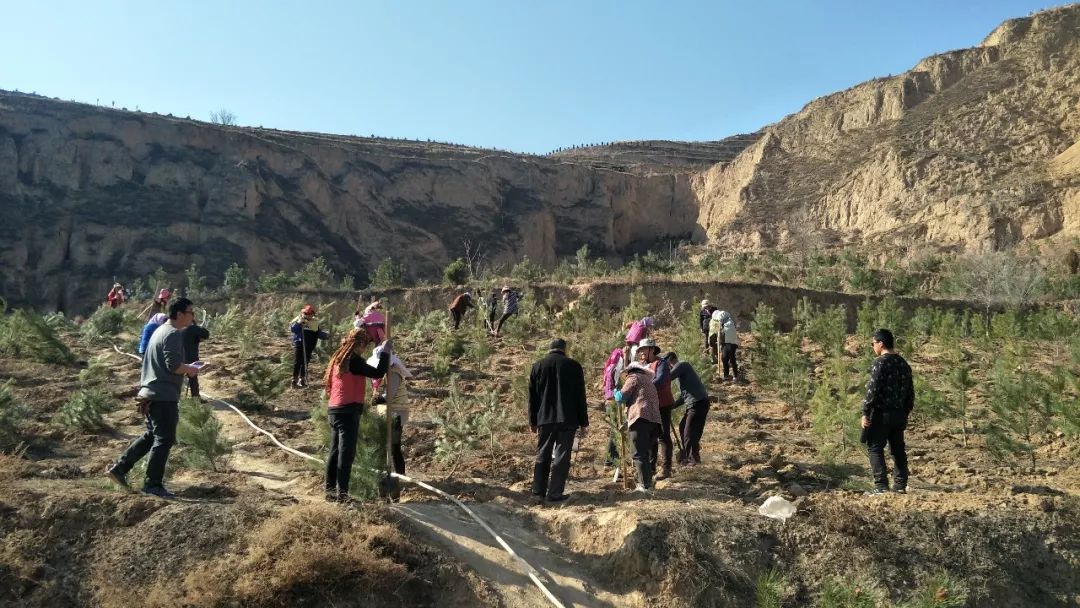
{"points": [[303, 553]]}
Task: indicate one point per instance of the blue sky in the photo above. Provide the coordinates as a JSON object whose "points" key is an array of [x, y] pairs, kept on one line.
{"points": [[521, 75]]}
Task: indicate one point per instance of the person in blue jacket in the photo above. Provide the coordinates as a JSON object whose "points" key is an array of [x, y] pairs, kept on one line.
{"points": [[149, 329], [306, 333]]}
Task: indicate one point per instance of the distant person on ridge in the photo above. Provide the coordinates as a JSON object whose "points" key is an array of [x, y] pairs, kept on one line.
{"points": [[163, 371], [346, 384], [639, 397], [193, 335], [162, 301], [695, 397], [649, 354], [890, 397], [306, 333], [461, 305], [148, 330], [557, 409], [510, 299], [116, 296], [704, 316]]}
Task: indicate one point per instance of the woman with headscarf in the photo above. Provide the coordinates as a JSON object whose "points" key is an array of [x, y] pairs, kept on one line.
{"points": [[116, 296], [639, 396]]}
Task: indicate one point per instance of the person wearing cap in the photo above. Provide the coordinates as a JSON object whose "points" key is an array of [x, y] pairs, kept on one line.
{"points": [[306, 333], [890, 397], [729, 344], [461, 305], [510, 298], [695, 397], [649, 354], [151, 326], [116, 295], [161, 302], [638, 395], [557, 409], [704, 316]]}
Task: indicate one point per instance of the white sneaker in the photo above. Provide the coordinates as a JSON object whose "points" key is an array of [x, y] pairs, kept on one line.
{"points": [[640, 488]]}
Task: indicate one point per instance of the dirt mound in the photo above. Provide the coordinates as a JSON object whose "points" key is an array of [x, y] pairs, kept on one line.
{"points": [[74, 543]]}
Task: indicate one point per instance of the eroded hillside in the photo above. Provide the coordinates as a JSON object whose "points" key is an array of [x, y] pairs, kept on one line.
{"points": [[967, 149]]}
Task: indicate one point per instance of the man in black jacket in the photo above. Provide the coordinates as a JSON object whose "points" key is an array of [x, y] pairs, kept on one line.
{"points": [[193, 334], [556, 409], [890, 397]]}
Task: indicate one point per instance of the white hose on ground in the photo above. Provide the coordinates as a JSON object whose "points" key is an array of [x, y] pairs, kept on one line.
{"points": [[529, 570]]}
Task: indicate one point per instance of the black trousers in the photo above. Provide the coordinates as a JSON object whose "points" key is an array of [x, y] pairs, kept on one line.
{"points": [[664, 438], [491, 316], [160, 435], [887, 428], [643, 435], [502, 319], [396, 453], [728, 358], [193, 385], [344, 430], [302, 356], [553, 445], [455, 316], [692, 426]]}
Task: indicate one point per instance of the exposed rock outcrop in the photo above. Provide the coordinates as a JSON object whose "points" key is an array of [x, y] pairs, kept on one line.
{"points": [[90, 193], [971, 149], [955, 152]]}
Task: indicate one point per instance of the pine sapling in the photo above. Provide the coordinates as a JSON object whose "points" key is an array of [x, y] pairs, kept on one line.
{"points": [[199, 433]]}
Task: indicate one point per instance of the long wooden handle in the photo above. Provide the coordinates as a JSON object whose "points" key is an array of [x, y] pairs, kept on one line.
{"points": [[389, 417]]}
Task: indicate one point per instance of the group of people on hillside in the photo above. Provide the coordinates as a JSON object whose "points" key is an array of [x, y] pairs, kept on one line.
{"points": [[506, 299], [636, 388]]}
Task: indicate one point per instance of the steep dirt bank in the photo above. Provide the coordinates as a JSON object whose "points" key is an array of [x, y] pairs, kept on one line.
{"points": [[661, 295]]}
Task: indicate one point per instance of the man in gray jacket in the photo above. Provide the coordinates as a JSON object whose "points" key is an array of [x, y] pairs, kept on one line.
{"points": [[163, 371]]}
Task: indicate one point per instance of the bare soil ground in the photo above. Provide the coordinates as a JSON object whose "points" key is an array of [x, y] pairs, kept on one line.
{"points": [[258, 533]]}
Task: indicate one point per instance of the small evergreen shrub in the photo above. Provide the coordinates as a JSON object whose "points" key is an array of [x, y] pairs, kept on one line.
{"points": [[13, 416], [199, 434], [85, 410], [265, 382]]}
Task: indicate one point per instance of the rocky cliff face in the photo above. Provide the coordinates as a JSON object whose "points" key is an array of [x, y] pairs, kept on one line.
{"points": [[89, 193], [971, 149], [958, 152]]}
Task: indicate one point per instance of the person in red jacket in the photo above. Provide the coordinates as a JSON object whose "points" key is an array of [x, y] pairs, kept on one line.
{"points": [[116, 296], [346, 377]]}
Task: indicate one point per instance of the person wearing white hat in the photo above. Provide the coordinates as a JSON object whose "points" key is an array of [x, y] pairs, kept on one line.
{"points": [[704, 316]]}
